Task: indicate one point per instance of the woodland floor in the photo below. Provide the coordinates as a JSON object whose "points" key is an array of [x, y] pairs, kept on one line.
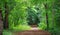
{"points": [[33, 31]]}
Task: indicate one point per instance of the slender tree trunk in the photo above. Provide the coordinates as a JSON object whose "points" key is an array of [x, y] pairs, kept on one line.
{"points": [[1, 22], [53, 15], [46, 8], [6, 17], [52, 19], [47, 21]]}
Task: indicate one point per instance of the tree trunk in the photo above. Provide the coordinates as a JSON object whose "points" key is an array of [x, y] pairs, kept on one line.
{"points": [[1, 22], [47, 20], [6, 17], [46, 8]]}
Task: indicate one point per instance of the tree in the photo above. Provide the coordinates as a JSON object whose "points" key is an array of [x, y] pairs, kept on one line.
{"points": [[7, 10], [1, 19], [1, 22]]}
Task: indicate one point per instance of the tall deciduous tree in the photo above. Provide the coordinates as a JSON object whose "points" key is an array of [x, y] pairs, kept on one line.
{"points": [[8, 7]]}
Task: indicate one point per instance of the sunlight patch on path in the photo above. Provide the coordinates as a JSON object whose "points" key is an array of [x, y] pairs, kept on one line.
{"points": [[34, 28]]}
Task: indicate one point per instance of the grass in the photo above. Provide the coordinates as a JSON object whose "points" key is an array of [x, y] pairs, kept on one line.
{"points": [[6, 32], [17, 28], [21, 28]]}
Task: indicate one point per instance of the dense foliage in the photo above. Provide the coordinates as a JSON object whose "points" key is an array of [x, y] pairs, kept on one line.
{"points": [[22, 12]]}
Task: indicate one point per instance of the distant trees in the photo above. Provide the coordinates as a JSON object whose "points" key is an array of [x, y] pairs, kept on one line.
{"points": [[32, 16]]}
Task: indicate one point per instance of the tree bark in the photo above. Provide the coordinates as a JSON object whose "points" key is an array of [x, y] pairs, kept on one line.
{"points": [[46, 8], [47, 21], [1, 22], [6, 17]]}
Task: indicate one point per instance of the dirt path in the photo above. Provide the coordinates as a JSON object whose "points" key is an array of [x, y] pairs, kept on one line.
{"points": [[33, 31], [34, 28]]}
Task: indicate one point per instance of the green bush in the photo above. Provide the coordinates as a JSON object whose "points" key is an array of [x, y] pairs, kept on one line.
{"points": [[5, 32], [42, 26], [21, 27]]}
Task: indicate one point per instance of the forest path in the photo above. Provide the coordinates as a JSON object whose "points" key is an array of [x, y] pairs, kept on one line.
{"points": [[34, 28], [34, 31]]}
